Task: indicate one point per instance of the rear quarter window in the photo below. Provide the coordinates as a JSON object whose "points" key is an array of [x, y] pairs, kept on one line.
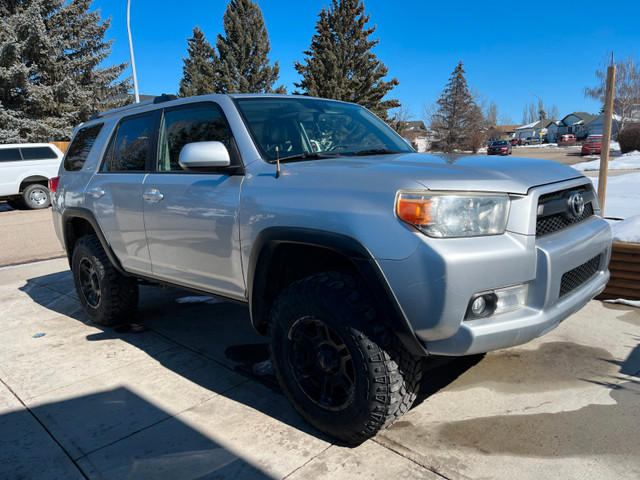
{"points": [[79, 149], [37, 153]]}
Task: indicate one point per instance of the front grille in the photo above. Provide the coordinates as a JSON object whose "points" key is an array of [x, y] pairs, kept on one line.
{"points": [[578, 276], [547, 224]]}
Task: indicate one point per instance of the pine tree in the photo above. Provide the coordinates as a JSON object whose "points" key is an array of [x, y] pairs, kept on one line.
{"points": [[50, 78], [243, 63], [199, 70], [458, 120], [339, 62]]}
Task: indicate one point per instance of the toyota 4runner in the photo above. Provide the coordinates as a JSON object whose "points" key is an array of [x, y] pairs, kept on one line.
{"points": [[355, 255]]}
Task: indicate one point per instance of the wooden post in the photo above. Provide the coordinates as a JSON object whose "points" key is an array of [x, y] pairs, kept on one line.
{"points": [[606, 135]]}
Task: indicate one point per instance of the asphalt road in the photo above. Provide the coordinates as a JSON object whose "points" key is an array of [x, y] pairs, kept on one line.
{"points": [[27, 236]]}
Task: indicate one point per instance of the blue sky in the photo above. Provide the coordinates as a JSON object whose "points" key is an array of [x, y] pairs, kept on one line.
{"points": [[509, 49]]}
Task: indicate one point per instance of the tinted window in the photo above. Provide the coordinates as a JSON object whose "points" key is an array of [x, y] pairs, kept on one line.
{"points": [[129, 148], [80, 147], [37, 153], [189, 125], [9, 155]]}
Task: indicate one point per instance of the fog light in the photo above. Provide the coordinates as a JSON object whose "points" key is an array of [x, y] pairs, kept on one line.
{"points": [[478, 306], [498, 301]]}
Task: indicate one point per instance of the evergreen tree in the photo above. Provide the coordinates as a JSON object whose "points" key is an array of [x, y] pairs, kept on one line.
{"points": [[50, 79], [243, 63], [339, 62], [457, 122], [199, 70]]}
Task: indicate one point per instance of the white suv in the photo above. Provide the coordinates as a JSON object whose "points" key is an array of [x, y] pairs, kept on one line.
{"points": [[24, 172]]}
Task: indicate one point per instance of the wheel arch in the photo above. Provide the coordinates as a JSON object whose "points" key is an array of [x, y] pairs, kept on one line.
{"points": [[283, 255], [79, 222]]}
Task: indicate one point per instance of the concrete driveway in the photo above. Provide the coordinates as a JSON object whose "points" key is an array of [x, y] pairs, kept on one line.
{"points": [[178, 395]]}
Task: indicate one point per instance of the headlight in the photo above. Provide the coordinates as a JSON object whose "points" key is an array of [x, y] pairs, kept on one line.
{"points": [[454, 214]]}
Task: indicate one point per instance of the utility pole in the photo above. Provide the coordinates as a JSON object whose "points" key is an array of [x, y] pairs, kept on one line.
{"points": [[606, 134], [541, 113]]}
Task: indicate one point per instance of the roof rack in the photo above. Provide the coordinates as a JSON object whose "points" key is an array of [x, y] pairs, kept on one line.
{"points": [[134, 106]]}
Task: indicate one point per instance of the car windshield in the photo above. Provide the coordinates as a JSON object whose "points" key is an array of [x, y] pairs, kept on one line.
{"points": [[593, 140], [305, 128], [499, 142]]}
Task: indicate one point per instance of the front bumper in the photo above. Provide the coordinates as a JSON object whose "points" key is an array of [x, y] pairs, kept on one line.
{"points": [[435, 285]]}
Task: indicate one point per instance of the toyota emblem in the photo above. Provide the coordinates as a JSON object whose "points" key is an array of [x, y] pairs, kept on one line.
{"points": [[576, 204]]}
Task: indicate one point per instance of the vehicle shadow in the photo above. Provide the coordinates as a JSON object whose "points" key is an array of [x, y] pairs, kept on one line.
{"points": [[78, 444], [215, 331]]}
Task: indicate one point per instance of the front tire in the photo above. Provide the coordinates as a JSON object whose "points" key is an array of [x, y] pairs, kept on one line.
{"points": [[107, 296], [338, 363], [36, 196]]}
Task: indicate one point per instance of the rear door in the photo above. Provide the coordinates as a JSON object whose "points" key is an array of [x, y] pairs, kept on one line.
{"points": [[191, 218], [115, 192]]}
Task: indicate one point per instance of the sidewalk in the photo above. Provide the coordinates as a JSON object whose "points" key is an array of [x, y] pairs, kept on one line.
{"points": [[175, 396]]}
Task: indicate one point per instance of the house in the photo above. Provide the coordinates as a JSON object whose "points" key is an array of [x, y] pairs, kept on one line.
{"points": [[575, 123], [503, 132], [595, 126], [416, 132], [532, 130]]}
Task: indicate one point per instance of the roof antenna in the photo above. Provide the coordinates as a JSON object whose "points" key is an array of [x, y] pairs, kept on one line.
{"points": [[278, 162]]}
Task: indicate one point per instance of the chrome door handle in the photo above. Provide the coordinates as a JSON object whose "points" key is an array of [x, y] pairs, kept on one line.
{"points": [[152, 195], [96, 192]]}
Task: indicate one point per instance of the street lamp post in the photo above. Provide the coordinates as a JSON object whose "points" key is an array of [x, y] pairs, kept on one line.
{"points": [[133, 61], [541, 113]]}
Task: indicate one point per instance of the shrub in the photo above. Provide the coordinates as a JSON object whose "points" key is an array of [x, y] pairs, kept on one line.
{"points": [[629, 138]]}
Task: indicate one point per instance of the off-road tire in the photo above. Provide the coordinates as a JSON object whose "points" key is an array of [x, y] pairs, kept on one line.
{"points": [[36, 196], [107, 296], [337, 361]]}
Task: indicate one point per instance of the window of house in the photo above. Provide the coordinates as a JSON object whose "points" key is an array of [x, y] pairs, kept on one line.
{"points": [[203, 123], [129, 147], [79, 149]]}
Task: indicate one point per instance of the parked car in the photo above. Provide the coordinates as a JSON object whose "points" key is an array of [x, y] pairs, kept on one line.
{"points": [[499, 147], [25, 169], [515, 141], [592, 145], [569, 138], [355, 255]]}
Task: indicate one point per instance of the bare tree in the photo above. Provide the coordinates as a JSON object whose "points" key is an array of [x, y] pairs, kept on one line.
{"points": [[491, 114], [505, 119], [399, 120], [627, 87], [553, 113], [530, 113]]}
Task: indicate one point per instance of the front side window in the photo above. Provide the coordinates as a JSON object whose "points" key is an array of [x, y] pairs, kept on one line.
{"points": [[309, 128], [129, 148], [79, 149], [189, 125]]}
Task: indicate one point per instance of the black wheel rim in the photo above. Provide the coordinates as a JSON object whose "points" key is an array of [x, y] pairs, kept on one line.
{"points": [[89, 282], [321, 364]]}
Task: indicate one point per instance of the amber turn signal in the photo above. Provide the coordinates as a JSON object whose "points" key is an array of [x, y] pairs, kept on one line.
{"points": [[415, 211]]}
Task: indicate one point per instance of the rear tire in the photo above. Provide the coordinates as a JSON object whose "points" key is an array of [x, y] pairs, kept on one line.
{"points": [[107, 296], [338, 363], [36, 196]]}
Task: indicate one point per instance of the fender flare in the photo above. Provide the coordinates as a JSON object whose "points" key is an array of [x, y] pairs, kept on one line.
{"points": [[350, 248], [85, 214]]}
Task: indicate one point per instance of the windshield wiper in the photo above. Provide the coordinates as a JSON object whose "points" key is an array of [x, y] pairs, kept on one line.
{"points": [[375, 151], [308, 156]]}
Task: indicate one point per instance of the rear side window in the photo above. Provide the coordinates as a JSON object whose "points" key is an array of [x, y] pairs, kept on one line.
{"points": [[10, 155], [129, 147], [79, 149], [37, 153]]}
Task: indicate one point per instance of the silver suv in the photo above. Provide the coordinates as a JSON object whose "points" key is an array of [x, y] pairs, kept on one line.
{"points": [[355, 255]]}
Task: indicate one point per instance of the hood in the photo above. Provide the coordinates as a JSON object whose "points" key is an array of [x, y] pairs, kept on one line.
{"points": [[448, 172]]}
